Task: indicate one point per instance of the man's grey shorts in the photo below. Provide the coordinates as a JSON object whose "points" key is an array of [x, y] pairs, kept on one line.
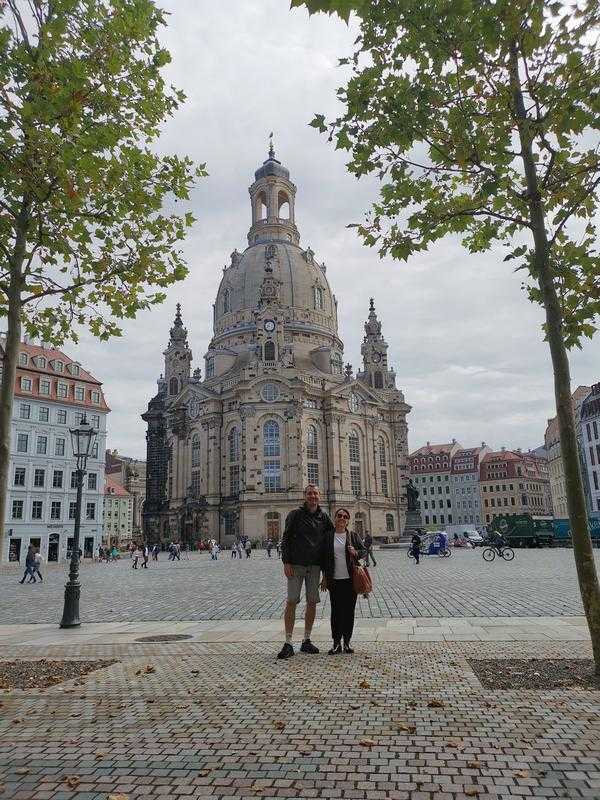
{"points": [[310, 575]]}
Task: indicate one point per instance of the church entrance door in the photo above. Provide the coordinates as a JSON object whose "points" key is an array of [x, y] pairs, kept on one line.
{"points": [[273, 530]]}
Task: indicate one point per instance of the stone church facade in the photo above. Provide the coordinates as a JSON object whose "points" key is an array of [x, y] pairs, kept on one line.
{"points": [[230, 453]]}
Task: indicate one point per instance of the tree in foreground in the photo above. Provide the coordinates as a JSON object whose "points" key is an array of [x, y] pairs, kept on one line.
{"points": [[84, 239], [482, 120]]}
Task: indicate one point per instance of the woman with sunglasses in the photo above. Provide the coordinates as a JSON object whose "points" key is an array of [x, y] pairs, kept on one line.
{"points": [[342, 551]]}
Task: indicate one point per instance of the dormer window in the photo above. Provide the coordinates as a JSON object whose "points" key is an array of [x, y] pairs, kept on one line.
{"points": [[318, 297], [58, 366], [74, 369], [40, 362], [95, 398], [23, 359]]}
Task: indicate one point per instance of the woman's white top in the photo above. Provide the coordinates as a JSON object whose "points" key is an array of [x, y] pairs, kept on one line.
{"points": [[339, 551]]}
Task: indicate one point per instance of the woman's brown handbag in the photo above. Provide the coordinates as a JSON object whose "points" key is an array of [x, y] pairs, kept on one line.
{"points": [[361, 580]]}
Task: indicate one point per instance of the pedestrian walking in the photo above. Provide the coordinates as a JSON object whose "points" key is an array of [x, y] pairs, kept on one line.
{"points": [[114, 554], [269, 547], [302, 554], [137, 554], [234, 550], [248, 548], [146, 555], [239, 550], [29, 565], [342, 552], [368, 543], [415, 545], [131, 549], [155, 552], [37, 563], [214, 550]]}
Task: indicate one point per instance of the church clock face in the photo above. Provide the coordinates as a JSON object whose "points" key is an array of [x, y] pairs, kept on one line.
{"points": [[376, 357], [269, 325]]}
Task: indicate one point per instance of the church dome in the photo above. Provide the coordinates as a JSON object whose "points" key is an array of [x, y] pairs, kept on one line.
{"points": [[272, 167], [302, 287]]}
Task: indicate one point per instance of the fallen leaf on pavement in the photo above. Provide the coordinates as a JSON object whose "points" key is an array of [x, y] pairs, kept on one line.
{"points": [[21, 771], [522, 773], [368, 742], [149, 669], [407, 728], [435, 704], [458, 743], [203, 772], [473, 764], [279, 724], [364, 685], [73, 781], [118, 797], [472, 791], [99, 755]]}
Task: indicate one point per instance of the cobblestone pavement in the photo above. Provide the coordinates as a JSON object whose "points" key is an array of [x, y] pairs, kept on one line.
{"points": [[536, 583], [404, 721]]}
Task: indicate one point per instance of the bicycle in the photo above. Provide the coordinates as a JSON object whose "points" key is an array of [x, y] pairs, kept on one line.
{"points": [[507, 553]]}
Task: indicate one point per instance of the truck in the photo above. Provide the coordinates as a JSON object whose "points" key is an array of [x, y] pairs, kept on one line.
{"points": [[524, 530], [562, 530]]}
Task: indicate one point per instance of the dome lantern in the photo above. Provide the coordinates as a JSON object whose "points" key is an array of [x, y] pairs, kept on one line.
{"points": [[273, 197]]}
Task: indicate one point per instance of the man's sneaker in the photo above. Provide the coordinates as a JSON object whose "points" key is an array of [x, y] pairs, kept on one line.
{"points": [[308, 647], [287, 651]]}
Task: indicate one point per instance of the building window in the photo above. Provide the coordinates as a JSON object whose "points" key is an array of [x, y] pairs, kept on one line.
{"points": [[57, 479], [312, 473], [318, 297], [74, 369], [26, 384], [79, 394], [42, 445], [62, 390], [92, 481], [384, 482], [90, 511], [196, 452], [269, 351], [55, 509], [271, 453], [19, 476], [61, 416], [44, 386], [210, 367], [22, 442], [23, 359], [233, 445], [595, 476], [173, 386], [196, 487], [95, 398], [226, 301], [73, 509], [270, 392], [73, 480], [95, 450], [389, 522], [39, 478], [273, 521], [37, 509], [336, 364], [378, 380], [234, 479], [59, 447], [24, 411], [44, 414], [17, 509], [312, 443], [381, 448]]}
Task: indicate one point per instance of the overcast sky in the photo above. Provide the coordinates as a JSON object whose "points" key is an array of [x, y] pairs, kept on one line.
{"points": [[463, 338]]}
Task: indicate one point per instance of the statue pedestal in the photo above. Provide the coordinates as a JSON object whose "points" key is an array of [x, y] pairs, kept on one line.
{"points": [[413, 521]]}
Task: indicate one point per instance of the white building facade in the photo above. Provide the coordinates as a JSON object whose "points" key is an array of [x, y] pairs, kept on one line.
{"points": [[118, 514], [590, 425], [52, 392], [464, 489]]}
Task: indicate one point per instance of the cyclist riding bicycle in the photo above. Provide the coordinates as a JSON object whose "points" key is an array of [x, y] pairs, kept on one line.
{"points": [[497, 541]]}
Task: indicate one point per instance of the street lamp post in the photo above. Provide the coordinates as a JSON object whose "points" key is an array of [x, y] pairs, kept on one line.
{"points": [[82, 441]]}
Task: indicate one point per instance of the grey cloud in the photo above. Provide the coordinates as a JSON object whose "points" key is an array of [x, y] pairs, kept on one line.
{"points": [[464, 340]]}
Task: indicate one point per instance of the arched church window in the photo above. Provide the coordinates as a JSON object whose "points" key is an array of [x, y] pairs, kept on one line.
{"points": [[389, 522], [283, 206], [378, 380], [261, 206], [336, 364], [312, 455], [318, 297], [226, 301], [196, 454], [269, 351], [381, 448], [234, 445], [271, 457], [354, 455], [173, 386], [210, 367]]}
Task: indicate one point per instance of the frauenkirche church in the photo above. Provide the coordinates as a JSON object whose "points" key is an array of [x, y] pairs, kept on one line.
{"points": [[277, 409]]}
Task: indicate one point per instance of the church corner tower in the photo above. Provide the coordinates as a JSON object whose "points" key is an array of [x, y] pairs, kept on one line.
{"points": [[275, 409]]}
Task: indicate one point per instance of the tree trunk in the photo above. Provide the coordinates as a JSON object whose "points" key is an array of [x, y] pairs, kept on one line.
{"points": [[9, 366], [582, 543]]}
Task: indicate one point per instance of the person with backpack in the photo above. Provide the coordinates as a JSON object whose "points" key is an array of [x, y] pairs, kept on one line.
{"points": [[415, 545], [368, 545]]}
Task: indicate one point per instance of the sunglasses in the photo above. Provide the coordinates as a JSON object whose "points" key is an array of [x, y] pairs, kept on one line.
{"points": [[343, 516]]}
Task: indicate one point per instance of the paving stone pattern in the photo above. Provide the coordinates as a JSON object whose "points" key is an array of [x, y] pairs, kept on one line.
{"points": [[536, 583], [229, 721]]}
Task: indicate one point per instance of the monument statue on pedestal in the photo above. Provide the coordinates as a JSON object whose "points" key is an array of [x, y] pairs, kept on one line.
{"points": [[413, 509]]}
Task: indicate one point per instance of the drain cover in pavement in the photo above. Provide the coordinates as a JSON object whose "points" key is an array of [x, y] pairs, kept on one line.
{"points": [[166, 637]]}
